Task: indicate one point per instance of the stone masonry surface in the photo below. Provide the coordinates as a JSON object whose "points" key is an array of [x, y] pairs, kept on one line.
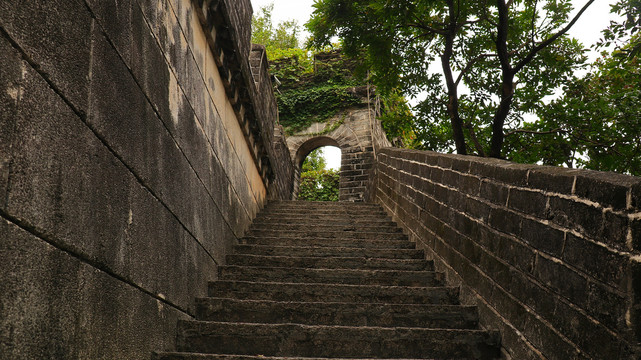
{"points": [[550, 255], [330, 280], [135, 149]]}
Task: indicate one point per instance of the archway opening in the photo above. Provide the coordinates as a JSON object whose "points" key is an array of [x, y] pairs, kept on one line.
{"points": [[320, 175]]}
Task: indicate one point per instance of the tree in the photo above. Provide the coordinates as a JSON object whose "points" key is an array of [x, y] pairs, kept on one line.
{"points": [[314, 161], [597, 122], [624, 34], [508, 55], [316, 182], [319, 185], [283, 36]]}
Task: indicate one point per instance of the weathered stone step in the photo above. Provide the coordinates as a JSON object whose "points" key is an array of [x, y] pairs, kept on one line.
{"points": [[328, 242], [294, 210], [317, 251], [343, 314], [334, 341], [329, 262], [321, 205], [311, 208], [196, 356], [327, 234], [331, 228], [279, 291], [328, 215], [331, 276], [333, 220]]}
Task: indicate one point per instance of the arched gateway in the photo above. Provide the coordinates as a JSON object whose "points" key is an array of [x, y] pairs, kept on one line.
{"points": [[357, 133]]}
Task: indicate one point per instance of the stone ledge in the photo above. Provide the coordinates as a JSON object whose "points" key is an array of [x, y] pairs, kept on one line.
{"points": [[224, 23]]}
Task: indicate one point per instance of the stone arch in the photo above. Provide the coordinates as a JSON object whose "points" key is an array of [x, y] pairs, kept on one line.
{"points": [[351, 131]]}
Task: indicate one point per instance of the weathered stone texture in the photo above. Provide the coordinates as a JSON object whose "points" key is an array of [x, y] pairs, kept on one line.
{"points": [[135, 149], [550, 255], [358, 133], [333, 301]]}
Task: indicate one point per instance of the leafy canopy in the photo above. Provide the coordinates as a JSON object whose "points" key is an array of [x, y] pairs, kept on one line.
{"points": [[277, 38], [597, 122], [499, 60]]}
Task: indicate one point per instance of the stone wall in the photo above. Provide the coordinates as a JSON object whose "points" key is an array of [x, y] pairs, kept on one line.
{"points": [[352, 131], [134, 150], [550, 255]]}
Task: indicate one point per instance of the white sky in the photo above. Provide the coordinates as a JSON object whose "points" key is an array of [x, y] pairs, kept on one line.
{"points": [[587, 29]]}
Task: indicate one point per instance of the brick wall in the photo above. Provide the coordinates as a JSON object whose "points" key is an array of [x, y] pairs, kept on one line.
{"points": [[550, 255], [134, 152]]}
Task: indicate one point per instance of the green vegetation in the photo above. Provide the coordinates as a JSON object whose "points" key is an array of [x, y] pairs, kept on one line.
{"points": [[507, 54], [316, 182], [597, 123], [316, 96], [316, 86], [313, 87], [499, 60]]}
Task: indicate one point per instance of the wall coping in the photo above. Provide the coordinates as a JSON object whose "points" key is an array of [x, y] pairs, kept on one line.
{"points": [[611, 190]]}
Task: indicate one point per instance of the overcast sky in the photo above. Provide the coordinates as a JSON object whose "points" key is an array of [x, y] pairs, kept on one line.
{"points": [[587, 29]]}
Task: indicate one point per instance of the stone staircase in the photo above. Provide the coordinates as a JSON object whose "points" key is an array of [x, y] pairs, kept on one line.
{"points": [[330, 280]]}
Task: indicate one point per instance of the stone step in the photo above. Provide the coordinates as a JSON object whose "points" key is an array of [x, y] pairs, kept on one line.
{"points": [[331, 276], [326, 234], [317, 205], [333, 228], [361, 263], [342, 314], [315, 208], [328, 242], [334, 341], [333, 220], [317, 251], [325, 215], [279, 291], [297, 210], [196, 356]]}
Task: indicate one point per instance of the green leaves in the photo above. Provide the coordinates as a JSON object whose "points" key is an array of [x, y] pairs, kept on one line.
{"points": [[299, 108], [405, 40], [320, 185], [598, 121], [277, 38], [316, 182]]}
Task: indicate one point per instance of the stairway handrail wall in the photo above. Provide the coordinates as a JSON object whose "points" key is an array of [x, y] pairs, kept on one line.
{"points": [[550, 255]]}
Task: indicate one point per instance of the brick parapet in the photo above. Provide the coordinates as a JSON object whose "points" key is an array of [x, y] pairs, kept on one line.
{"points": [[550, 255]]}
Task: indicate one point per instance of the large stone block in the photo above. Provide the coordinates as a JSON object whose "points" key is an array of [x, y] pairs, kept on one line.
{"points": [[57, 306], [56, 38], [543, 237], [607, 189], [562, 280]]}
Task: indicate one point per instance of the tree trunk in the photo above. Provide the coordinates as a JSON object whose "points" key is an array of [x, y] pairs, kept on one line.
{"points": [[507, 81], [507, 94], [452, 91]]}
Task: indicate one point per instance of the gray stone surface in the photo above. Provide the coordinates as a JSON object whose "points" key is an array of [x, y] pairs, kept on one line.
{"points": [[355, 136], [126, 173], [545, 252], [307, 304], [57, 306]]}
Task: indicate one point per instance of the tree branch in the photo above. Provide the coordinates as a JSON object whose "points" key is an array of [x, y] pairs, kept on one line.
{"points": [[523, 131], [501, 36], [551, 39], [427, 28], [470, 64]]}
